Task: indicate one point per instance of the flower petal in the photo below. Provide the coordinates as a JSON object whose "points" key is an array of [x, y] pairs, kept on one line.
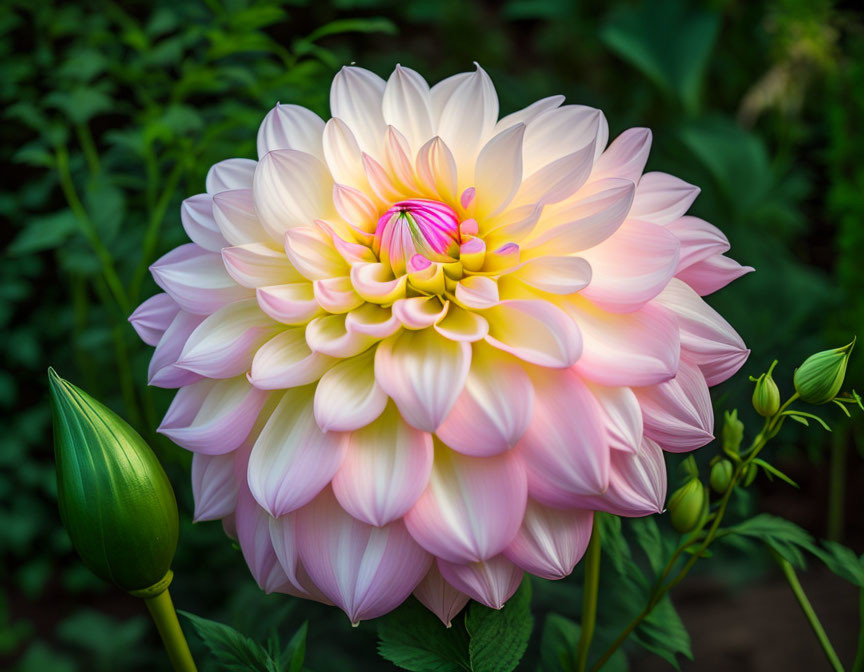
{"points": [[162, 371], [535, 331], [223, 345], [558, 132], [214, 486], [293, 460], [495, 406], [707, 276], [564, 449], [406, 105], [310, 250], [622, 416], [356, 97], [625, 157], [235, 215], [477, 291], [678, 413], [556, 275], [385, 470], [284, 537], [527, 114], [492, 582], [637, 483], [366, 571], [550, 541], [420, 312], [558, 180], [436, 169], [498, 171], [253, 534], [699, 240], [347, 396], [462, 325], [372, 320], [196, 214], [472, 507], [440, 597], [706, 338], [291, 127], [230, 174], [153, 317], [286, 361], [424, 374], [213, 417], [329, 335], [294, 303], [258, 265], [662, 198]]}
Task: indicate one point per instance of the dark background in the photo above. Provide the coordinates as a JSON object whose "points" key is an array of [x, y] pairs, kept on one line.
{"points": [[112, 113]]}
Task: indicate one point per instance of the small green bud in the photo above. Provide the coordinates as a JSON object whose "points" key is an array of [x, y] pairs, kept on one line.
{"points": [[115, 500], [820, 377], [721, 476], [686, 505], [752, 471], [733, 432], [766, 395]]}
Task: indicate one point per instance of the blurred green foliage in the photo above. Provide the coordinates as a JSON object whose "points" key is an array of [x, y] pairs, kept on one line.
{"points": [[113, 112]]}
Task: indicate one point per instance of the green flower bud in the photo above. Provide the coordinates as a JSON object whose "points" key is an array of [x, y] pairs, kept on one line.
{"points": [[766, 395], [820, 377], [721, 475], [752, 471], [733, 432], [115, 499], [686, 505]]}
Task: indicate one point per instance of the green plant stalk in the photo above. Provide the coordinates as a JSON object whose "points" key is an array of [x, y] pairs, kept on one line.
{"points": [[837, 485], [164, 616], [769, 431], [589, 598], [807, 608], [858, 665]]}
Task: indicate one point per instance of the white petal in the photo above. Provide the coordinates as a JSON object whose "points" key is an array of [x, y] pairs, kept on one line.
{"points": [[535, 331], [257, 265], [230, 174], [196, 213], [214, 486], [290, 127], [662, 198], [498, 171], [234, 213], [356, 98], [347, 396], [286, 361], [406, 105]]}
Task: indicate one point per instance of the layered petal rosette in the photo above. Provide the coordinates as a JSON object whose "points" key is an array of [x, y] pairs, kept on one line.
{"points": [[417, 345]]}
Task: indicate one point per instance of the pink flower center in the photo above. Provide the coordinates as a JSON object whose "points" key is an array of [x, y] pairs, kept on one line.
{"points": [[417, 226]]}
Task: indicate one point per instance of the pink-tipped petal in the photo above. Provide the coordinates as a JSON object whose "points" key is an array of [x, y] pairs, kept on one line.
{"points": [[329, 335], [214, 486], [294, 303], [550, 541], [253, 533], [286, 361], [699, 240], [151, 319], [234, 214], [366, 571], [162, 371], [347, 396], [283, 536], [293, 460], [626, 156], [258, 265], [535, 331], [196, 214], [556, 275], [713, 273], [662, 198], [440, 597], [491, 582], [622, 416], [229, 175], [472, 507]]}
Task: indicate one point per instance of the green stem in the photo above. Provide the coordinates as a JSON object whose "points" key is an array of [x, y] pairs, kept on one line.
{"points": [[858, 665], [162, 610], [589, 599], [807, 608], [837, 486], [88, 146]]}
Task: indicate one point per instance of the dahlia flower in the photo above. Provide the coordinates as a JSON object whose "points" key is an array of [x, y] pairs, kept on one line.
{"points": [[417, 345]]}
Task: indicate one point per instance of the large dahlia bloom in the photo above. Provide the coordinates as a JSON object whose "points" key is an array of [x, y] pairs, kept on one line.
{"points": [[417, 345]]}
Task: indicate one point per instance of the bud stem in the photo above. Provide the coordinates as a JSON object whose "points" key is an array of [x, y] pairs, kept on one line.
{"points": [[807, 608], [589, 599], [162, 610]]}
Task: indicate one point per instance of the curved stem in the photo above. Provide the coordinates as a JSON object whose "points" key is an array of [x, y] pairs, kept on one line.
{"points": [[162, 610], [589, 599], [807, 608], [858, 665]]}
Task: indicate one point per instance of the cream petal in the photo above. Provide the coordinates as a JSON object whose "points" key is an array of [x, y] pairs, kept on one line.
{"points": [[196, 279], [535, 331], [623, 349], [550, 541], [286, 361], [372, 320], [196, 214], [213, 417], [376, 283], [495, 406], [258, 265], [230, 174], [424, 373], [385, 470], [556, 275], [436, 169], [344, 158], [440, 597], [559, 179], [564, 448], [631, 267], [292, 189], [498, 172], [310, 250], [558, 132], [347, 396], [355, 207], [625, 157], [234, 213], [356, 97], [661, 198], [472, 507], [462, 325], [477, 291], [441, 92], [223, 345], [336, 295], [293, 460], [366, 571], [492, 582], [291, 127], [294, 303], [214, 486], [406, 105], [706, 338], [526, 115], [329, 336], [420, 312]]}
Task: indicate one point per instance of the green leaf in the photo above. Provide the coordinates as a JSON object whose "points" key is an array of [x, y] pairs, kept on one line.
{"points": [[558, 644], [843, 562], [614, 543], [411, 637], [649, 540], [371, 25], [774, 471], [803, 414], [784, 536], [663, 633], [232, 649], [44, 233], [640, 35], [295, 651], [499, 637]]}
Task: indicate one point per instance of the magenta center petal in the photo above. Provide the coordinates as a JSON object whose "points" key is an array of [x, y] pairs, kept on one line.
{"points": [[417, 227]]}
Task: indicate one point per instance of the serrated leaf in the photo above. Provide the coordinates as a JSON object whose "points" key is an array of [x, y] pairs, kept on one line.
{"points": [[232, 649], [411, 637], [499, 637]]}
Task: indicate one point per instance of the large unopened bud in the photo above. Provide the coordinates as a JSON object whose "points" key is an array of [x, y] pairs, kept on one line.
{"points": [[115, 500], [417, 226], [820, 377]]}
